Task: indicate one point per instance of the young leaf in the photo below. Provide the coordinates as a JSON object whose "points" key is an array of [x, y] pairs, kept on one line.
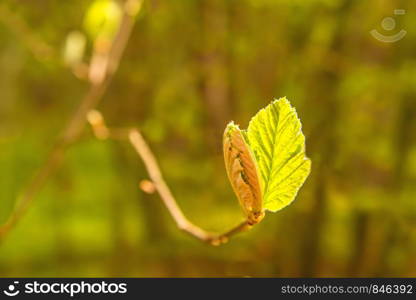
{"points": [[275, 136], [243, 173], [266, 163]]}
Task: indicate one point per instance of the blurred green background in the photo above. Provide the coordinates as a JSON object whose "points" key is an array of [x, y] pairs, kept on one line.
{"points": [[189, 68]]}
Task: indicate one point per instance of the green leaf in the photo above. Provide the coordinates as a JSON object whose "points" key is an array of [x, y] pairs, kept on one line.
{"points": [[275, 137], [102, 19]]}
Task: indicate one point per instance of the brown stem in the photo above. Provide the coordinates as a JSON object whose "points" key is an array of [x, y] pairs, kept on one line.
{"points": [[38, 47], [101, 131], [77, 122]]}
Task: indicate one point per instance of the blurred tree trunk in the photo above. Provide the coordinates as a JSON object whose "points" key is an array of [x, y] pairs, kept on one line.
{"points": [[311, 252], [215, 85], [118, 205], [323, 98], [406, 126]]}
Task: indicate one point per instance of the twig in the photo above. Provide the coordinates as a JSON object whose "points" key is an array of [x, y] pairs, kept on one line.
{"points": [[77, 122], [101, 131], [38, 47], [98, 86]]}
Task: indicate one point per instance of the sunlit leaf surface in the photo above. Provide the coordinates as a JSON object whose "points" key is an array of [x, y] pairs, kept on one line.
{"points": [[275, 136]]}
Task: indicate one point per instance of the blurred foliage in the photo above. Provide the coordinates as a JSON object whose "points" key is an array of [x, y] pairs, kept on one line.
{"points": [[102, 18], [190, 67]]}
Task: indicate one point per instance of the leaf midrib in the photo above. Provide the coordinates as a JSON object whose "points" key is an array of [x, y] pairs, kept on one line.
{"points": [[270, 170]]}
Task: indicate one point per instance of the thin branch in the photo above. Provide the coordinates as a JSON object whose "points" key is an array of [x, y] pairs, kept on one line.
{"points": [[101, 131], [78, 121], [38, 47], [76, 125]]}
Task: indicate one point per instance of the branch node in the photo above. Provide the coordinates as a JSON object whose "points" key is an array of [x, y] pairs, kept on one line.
{"points": [[147, 186]]}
